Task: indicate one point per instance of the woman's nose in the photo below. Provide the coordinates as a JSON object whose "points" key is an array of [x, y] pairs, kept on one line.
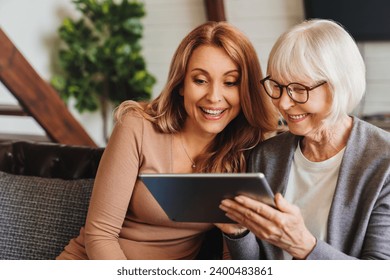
{"points": [[285, 101], [214, 93]]}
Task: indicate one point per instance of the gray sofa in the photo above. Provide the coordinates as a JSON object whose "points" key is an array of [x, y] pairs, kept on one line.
{"points": [[44, 194]]}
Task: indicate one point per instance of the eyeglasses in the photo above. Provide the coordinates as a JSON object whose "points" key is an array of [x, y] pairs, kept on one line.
{"points": [[297, 92]]}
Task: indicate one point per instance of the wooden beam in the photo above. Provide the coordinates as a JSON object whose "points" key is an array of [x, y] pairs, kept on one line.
{"points": [[215, 10], [12, 110], [38, 98]]}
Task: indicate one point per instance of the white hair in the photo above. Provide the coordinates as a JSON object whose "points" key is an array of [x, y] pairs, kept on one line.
{"points": [[321, 50]]}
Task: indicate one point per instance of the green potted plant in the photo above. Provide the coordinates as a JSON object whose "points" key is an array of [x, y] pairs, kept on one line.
{"points": [[100, 58]]}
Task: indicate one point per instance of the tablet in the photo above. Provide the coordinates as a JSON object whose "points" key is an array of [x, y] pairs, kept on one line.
{"points": [[196, 197]]}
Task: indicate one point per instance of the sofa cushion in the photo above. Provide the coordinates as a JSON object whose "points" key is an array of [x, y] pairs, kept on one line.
{"points": [[38, 216]]}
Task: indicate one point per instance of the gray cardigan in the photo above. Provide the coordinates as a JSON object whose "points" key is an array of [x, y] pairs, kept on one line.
{"points": [[359, 217]]}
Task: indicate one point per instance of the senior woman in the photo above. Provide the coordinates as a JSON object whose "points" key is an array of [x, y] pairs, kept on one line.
{"points": [[330, 172]]}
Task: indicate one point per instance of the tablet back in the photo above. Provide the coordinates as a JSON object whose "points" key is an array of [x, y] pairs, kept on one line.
{"points": [[196, 197]]}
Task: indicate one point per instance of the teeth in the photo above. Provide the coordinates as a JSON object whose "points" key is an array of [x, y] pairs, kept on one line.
{"points": [[212, 112], [297, 117]]}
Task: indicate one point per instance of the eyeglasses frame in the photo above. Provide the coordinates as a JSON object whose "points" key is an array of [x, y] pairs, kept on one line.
{"points": [[308, 89]]}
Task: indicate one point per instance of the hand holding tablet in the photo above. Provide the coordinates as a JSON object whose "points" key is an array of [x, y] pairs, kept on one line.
{"points": [[195, 197]]}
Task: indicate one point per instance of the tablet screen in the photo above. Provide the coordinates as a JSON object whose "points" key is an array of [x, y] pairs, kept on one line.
{"points": [[196, 197]]}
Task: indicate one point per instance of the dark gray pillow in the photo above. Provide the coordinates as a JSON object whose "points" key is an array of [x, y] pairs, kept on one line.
{"points": [[38, 216]]}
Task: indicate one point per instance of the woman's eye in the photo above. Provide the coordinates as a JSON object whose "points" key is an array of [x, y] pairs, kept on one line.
{"points": [[200, 81], [298, 89], [231, 84]]}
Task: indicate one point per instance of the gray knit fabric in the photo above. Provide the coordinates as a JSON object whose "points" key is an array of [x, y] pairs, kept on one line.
{"points": [[38, 216], [359, 218]]}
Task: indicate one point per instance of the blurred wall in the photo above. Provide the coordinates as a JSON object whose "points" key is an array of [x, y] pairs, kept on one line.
{"points": [[32, 26]]}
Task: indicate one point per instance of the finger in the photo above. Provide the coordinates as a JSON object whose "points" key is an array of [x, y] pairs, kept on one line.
{"points": [[263, 228], [251, 214], [234, 211], [246, 216], [283, 205], [261, 218], [260, 229], [230, 207], [258, 207], [228, 203], [233, 208]]}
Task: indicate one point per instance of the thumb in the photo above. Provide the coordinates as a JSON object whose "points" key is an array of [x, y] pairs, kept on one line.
{"points": [[281, 203]]}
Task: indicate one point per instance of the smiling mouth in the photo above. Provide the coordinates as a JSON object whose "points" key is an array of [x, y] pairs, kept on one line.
{"points": [[212, 112], [297, 117]]}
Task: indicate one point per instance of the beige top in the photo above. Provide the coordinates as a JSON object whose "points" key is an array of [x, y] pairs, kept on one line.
{"points": [[124, 221]]}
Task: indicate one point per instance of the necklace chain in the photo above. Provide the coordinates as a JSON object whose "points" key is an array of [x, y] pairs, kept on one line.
{"points": [[185, 151]]}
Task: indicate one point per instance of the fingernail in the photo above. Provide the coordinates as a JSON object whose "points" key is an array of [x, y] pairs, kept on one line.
{"points": [[239, 199], [225, 202]]}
